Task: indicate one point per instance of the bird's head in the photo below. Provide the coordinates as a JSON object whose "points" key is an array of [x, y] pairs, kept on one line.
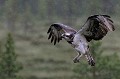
{"points": [[69, 37]]}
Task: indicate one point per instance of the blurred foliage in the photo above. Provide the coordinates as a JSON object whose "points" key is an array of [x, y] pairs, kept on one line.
{"points": [[107, 67], [8, 64], [49, 9], [27, 12]]}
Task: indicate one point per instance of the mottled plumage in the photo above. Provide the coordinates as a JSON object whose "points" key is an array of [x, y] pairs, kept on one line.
{"points": [[95, 28]]}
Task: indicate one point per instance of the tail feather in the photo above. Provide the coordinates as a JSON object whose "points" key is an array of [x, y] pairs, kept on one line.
{"points": [[90, 59]]}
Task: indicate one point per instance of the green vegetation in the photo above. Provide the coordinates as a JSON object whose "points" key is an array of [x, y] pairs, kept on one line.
{"points": [[29, 20], [9, 66]]}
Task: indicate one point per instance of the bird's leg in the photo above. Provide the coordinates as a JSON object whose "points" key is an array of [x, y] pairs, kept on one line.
{"points": [[77, 58], [80, 56]]}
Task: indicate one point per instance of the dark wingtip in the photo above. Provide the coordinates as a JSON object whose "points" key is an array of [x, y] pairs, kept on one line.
{"points": [[52, 39], [49, 30], [50, 35], [92, 16], [55, 40], [106, 16], [54, 43]]}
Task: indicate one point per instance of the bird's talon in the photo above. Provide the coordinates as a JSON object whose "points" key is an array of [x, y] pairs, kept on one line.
{"points": [[75, 60]]}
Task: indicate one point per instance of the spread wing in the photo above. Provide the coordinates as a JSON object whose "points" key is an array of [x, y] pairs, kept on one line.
{"points": [[57, 30], [97, 26]]}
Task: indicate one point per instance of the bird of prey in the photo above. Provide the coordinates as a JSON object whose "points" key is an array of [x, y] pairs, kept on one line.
{"points": [[95, 28]]}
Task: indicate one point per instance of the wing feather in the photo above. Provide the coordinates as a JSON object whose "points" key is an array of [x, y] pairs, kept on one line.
{"points": [[56, 31], [52, 39], [50, 35], [97, 26]]}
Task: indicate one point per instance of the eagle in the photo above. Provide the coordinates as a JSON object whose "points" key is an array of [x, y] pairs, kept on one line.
{"points": [[95, 28]]}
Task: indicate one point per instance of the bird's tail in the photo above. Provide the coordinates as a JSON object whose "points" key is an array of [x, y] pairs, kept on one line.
{"points": [[90, 59]]}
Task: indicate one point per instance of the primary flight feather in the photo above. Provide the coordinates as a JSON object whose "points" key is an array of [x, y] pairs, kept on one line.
{"points": [[95, 28]]}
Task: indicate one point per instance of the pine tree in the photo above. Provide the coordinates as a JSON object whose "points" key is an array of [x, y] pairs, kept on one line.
{"points": [[8, 64]]}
